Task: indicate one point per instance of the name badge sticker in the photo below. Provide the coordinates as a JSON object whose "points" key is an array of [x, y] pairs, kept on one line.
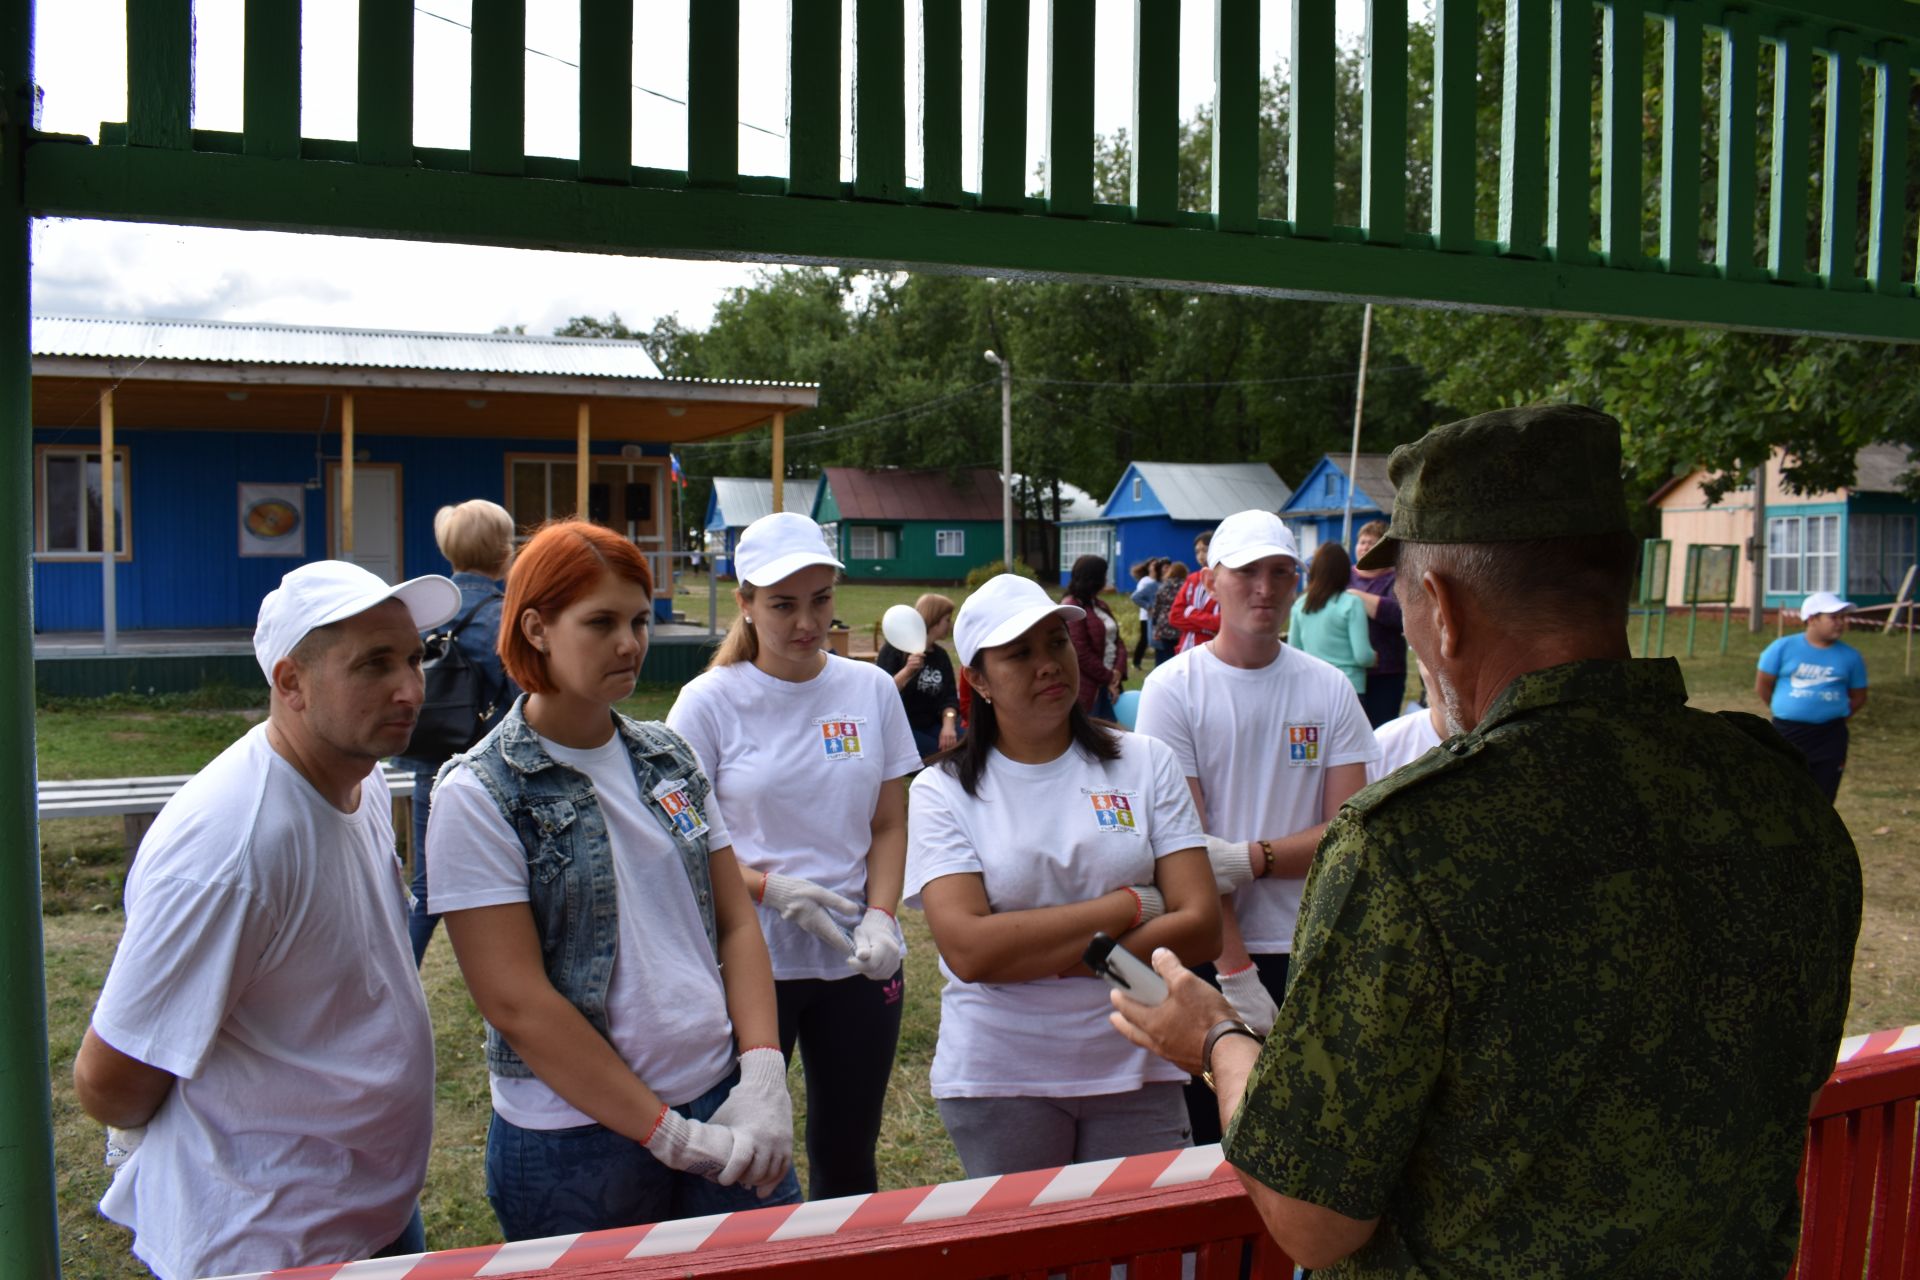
{"points": [[680, 809]]}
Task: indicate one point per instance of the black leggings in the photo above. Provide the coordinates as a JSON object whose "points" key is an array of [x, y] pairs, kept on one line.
{"points": [[846, 1029], [1203, 1109]]}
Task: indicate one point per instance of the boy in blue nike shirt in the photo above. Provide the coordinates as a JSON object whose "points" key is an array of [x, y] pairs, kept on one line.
{"points": [[1813, 683]]}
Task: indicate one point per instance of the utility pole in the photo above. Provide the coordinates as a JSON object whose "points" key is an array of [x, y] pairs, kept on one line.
{"points": [[1359, 405], [1006, 457], [1757, 552]]}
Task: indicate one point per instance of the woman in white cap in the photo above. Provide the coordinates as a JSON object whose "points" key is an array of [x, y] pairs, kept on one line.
{"points": [[809, 754], [1039, 830]]}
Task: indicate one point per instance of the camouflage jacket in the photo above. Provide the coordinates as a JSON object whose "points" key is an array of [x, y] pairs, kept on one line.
{"points": [[1562, 991]]}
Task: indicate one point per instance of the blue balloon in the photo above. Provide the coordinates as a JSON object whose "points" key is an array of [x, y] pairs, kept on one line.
{"points": [[1126, 707]]}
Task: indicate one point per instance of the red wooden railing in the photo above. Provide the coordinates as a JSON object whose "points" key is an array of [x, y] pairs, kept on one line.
{"points": [[1861, 1217]]}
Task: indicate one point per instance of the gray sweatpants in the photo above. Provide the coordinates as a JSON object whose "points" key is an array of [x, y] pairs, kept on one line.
{"points": [[1013, 1135]]}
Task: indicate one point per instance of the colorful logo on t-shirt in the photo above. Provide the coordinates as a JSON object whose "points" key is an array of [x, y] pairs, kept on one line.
{"points": [[842, 738], [1113, 810], [1303, 744], [678, 806]]}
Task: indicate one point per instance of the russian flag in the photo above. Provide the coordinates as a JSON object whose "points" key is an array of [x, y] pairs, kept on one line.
{"points": [[679, 477]]}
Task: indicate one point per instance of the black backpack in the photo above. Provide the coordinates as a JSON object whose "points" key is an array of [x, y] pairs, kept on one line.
{"points": [[452, 716]]}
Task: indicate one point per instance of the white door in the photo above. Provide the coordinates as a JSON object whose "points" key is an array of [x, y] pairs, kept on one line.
{"points": [[1306, 536], [376, 518]]}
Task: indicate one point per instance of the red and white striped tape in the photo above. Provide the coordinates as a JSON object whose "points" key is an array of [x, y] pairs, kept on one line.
{"points": [[559, 1254]]}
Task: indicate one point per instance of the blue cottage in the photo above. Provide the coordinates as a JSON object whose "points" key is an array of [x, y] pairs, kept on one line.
{"points": [[1158, 508], [1317, 508], [737, 501]]}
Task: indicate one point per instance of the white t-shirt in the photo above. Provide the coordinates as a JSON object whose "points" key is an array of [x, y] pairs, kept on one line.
{"points": [[798, 768], [1403, 741], [1260, 742], [666, 1007], [1040, 836], [265, 963]]}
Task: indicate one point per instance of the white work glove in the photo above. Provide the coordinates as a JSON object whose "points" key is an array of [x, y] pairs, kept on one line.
{"points": [[759, 1113], [703, 1149], [122, 1143], [1232, 862], [876, 945], [1249, 998], [808, 905], [1153, 904]]}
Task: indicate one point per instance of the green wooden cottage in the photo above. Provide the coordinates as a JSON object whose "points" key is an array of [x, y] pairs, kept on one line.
{"points": [[911, 526]]}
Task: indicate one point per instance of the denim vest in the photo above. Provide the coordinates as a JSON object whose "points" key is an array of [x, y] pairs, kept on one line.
{"points": [[562, 829]]}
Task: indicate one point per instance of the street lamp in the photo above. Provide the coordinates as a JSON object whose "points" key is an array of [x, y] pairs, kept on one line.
{"points": [[1006, 457]]}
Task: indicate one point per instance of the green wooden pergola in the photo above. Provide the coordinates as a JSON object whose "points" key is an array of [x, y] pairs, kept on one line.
{"points": [[156, 167]]}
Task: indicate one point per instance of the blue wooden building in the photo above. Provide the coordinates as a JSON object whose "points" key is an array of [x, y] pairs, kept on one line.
{"points": [[243, 450], [1318, 507], [1158, 508], [737, 501]]}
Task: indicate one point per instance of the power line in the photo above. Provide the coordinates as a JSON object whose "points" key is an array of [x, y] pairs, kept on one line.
{"points": [[1234, 382], [845, 428]]}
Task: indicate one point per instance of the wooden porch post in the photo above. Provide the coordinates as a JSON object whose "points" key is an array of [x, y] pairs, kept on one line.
{"points": [[346, 477], [109, 545], [583, 435], [779, 458]]}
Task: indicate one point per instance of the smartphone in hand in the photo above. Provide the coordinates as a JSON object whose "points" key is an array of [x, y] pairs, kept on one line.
{"points": [[1124, 970]]}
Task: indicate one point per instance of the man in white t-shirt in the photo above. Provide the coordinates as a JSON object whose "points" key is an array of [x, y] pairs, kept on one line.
{"points": [[1407, 738], [262, 1052], [1272, 741]]}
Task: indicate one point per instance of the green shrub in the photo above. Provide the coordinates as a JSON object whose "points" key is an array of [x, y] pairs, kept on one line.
{"points": [[980, 574]]}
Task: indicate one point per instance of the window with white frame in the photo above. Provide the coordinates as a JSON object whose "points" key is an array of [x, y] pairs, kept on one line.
{"points": [[1880, 549], [70, 500], [949, 542], [1823, 553], [1803, 554], [1078, 540], [1136, 488], [1783, 555], [873, 542]]}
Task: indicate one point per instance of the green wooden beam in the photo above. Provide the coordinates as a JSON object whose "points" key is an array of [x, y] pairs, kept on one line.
{"points": [[1070, 107], [160, 73], [1570, 149], [1737, 173], [1456, 37], [1681, 70], [1003, 103], [498, 90], [1310, 105], [713, 93], [1887, 231], [1236, 114], [270, 78], [448, 204], [813, 98], [1383, 161], [606, 90], [1787, 200], [1523, 114], [879, 100], [1155, 185], [1840, 187], [385, 98], [1623, 75], [940, 179]]}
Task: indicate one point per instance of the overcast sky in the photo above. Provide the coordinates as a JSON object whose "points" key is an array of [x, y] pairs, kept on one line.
{"points": [[102, 268]]}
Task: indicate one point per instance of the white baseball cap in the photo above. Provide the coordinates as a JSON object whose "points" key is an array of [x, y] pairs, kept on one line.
{"points": [[328, 591], [1246, 536], [778, 546], [1006, 607], [1823, 602]]}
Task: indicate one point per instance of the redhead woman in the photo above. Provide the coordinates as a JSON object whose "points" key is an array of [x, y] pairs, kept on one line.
{"points": [[1037, 831], [809, 754], [588, 885]]}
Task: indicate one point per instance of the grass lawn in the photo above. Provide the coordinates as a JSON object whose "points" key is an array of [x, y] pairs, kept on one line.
{"points": [[82, 860]]}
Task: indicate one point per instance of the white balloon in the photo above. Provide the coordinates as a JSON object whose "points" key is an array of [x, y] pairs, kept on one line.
{"points": [[904, 628]]}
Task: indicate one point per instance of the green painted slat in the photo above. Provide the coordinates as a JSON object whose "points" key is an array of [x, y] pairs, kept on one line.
{"points": [[1840, 215], [940, 101], [270, 87], [498, 92], [813, 98], [160, 73], [1456, 37], [1383, 163], [1681, 71], [1070, 107], [1624, 76], [713, 93], [1787, 201], [879, 100], [1523, 114], [1236, 114], [1734, 207], [385, 128], [1887, 231], [1155, 186], [606, 90], [1311, 101], [1570, 132], [1003, 103]]}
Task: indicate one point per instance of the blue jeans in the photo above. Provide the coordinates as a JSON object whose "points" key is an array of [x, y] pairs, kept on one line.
{"points": [[549, 1182]]}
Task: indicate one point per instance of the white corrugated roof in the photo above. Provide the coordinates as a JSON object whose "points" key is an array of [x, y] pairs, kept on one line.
{"points": [[743, 499], [1881, 468], [1075, 503], [1214, 490], [226, 342]]}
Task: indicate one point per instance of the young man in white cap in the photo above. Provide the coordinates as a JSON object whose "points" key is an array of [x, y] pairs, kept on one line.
{"points": [[1272, 741], [1814, 683], [262, 1047]]}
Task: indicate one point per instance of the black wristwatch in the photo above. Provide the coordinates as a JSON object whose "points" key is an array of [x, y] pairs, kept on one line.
{"points": [[1225, 1027]]}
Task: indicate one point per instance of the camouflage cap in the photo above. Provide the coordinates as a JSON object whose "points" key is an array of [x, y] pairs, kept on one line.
{"points": [[1544, 471]]}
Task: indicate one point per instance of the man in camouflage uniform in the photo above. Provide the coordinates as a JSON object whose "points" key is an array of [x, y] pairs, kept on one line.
{"points": [[1563, 989]]}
